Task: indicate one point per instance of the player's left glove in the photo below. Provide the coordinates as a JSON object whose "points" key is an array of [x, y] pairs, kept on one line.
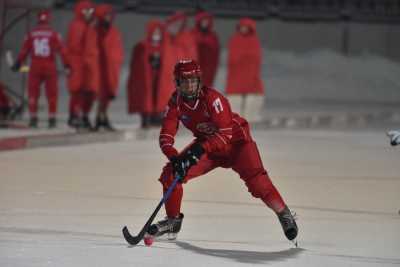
{"points": [[16, 66], [182, 163]]}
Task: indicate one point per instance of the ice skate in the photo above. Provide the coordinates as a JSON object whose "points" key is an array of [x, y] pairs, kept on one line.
{"points": [[169, 226], [288, 224]]}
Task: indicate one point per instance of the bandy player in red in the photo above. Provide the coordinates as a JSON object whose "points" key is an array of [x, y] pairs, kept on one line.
{"points": [[41, 44], [222, 139]]}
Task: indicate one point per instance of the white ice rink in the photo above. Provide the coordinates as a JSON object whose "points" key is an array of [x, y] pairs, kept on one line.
{"points": [[66, 206]]}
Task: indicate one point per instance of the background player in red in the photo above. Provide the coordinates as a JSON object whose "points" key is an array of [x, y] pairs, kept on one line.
{"points": [[41, 44], [222, 139], [110, 60], [150, 72], [83, 82], [244, 86], [207, 46]]}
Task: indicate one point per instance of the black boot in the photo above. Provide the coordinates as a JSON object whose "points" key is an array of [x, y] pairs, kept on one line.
{"points": [[74, 121], [145, 121], [156, 119], [99, 123], [288, 223], [86, 123], [52, 123], [107, 125], [33, 122], [170, 226]]}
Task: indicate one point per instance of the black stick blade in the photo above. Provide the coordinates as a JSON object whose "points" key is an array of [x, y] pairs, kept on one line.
{"points": [[132, 240]]}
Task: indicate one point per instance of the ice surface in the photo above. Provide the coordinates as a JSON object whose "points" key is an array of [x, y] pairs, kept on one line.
{"points": [[65, 206]]}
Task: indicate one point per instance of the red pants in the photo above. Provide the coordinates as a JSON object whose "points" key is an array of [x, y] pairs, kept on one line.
{"points": [[245, 160], [34, 82]]}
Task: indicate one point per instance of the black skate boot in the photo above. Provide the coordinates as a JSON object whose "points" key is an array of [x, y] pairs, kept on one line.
{"points": [[288, 223], [33, 122], [52, 123], [169, 226]]}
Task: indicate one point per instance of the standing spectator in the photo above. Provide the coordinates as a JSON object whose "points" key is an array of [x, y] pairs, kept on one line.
{"points": [[41, 44], [182, 38], [207, 46], [83, 82], [148, 90], [110, 60], [244, 85]]}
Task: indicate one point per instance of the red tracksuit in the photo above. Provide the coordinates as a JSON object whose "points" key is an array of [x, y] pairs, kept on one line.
{"points": [[83, 82], [41, 44], [226, 138]]}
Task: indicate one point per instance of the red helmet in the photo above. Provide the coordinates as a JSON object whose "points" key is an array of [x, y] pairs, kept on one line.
{"points": [[187, 68], [43, 16]]}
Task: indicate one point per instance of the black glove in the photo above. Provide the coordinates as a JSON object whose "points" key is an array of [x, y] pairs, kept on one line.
{"points": [[16, 66], [182, 163]]}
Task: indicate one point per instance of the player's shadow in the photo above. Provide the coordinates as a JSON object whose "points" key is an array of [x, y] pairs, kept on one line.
{"points": [[244, 256]]}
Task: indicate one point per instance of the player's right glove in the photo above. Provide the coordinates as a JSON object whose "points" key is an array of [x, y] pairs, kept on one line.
{"points": [[182, 163], [16, 66]]}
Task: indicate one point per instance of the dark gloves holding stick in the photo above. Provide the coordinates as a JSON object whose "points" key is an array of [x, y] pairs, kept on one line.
{"points": [[182, 163], [16, 66]]}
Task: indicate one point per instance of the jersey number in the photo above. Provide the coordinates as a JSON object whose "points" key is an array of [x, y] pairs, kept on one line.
{"points": [[41, 47], [217, 104]]}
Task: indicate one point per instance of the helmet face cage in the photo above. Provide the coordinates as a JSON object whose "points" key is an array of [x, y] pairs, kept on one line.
{"points": [[187, 70]]}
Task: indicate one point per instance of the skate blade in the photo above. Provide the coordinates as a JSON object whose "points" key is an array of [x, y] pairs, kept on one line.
{"points": [[169, 237], [295, 243], [172, 236]]}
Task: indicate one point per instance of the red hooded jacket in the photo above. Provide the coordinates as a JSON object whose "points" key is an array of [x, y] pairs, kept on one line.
{"points": [[184, 41], [244, 61], [111, 51], [207, 47], [150, 89], [83, 51]]}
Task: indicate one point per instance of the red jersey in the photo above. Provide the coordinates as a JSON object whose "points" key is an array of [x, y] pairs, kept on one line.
{"points": [[42, 43], [209, 118]]}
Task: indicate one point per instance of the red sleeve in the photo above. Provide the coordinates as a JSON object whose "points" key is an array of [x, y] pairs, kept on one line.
{"points": [[74, 38], [26, 49], [221, 117], [169, 128]]}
